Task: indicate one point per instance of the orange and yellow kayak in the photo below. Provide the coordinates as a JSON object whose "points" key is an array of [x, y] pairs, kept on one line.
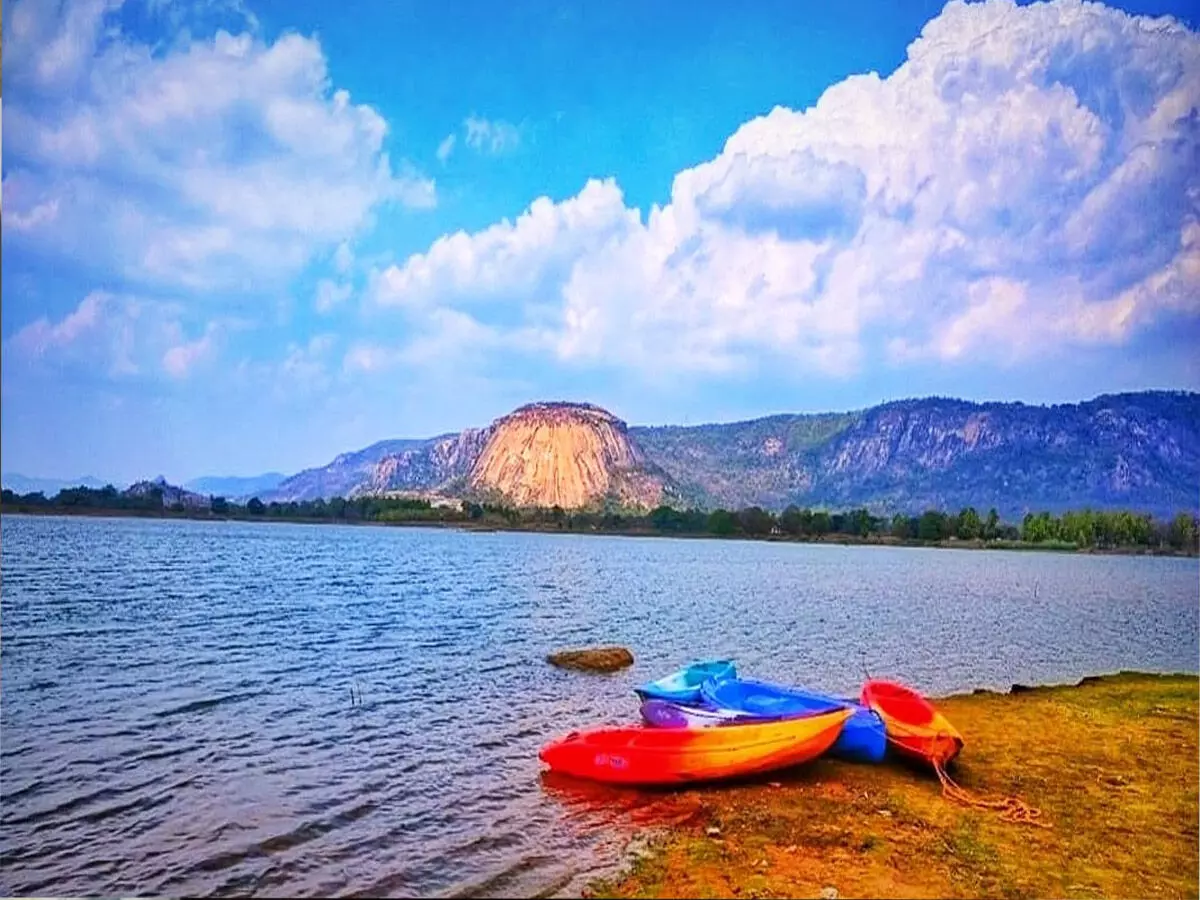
{"points": [[637, 755], [913, 726]]}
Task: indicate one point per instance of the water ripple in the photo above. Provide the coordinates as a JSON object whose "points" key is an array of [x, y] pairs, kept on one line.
{"points": [[212, 709]]}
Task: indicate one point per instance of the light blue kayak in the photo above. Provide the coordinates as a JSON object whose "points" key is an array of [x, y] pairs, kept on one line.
{"points": [[684, 686], [863, 737]]}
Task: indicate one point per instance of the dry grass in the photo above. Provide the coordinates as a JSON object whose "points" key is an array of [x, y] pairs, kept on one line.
{"points": [[1112, 763]]}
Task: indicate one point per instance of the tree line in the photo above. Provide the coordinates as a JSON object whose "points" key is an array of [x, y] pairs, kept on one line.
{"points": [[1077, 529]]}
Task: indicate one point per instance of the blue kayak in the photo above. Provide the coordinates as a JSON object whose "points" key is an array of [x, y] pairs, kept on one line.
{"points": [[684, 686], [863, 738]]}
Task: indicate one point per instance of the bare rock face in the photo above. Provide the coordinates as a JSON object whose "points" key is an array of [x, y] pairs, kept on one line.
{"points": [[564, 454]]}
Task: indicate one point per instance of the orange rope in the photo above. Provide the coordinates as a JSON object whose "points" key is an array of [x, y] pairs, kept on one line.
{"points": [[1012, 809]]}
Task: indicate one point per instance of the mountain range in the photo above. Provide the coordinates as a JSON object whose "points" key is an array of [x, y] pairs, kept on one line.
{"points": [[235, 485], [25, 484], [1136, 451]]}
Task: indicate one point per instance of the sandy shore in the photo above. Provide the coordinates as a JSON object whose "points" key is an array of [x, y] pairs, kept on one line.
{"points": [[1111, 763]]}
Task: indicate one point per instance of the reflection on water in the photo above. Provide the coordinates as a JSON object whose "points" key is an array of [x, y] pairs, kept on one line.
{"points": [[226, 708]]}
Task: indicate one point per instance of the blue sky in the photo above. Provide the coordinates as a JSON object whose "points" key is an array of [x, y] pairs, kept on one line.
{"points": [[243, 237]]}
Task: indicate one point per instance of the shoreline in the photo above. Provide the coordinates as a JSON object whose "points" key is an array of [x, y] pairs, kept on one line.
{"points": [[548, 528], [1113, 770]]}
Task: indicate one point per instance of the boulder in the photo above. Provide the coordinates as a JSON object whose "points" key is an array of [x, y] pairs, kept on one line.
{"points": [[592, 659]]}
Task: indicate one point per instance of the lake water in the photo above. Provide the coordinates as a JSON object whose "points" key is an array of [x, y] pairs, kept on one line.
{"points": [[181, 700]]}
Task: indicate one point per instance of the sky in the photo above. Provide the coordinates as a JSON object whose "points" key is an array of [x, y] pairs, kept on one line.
{"points": [[248, 236]]}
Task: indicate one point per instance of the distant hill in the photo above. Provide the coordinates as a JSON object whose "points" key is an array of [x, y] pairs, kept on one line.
{"points": [[234, 487], [352, 473], [1139, 451], [22, 484], [170, 494], [1135, 450]]}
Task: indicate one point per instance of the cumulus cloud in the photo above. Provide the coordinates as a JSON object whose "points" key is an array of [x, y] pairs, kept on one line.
{"points": [[1028, 178], [522, 259], [228, 161], [117, 336]]}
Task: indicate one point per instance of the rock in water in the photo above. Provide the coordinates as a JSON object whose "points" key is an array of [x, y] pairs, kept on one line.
{"points": [[593, 659]]}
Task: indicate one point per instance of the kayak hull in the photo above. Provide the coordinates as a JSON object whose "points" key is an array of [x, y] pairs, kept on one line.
{"points": [[915, 728], [863, 738], [684, 686], [636, 755]]}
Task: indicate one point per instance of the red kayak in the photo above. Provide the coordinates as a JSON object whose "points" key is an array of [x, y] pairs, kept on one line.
{"points": [[635, 755], [913, 726]]}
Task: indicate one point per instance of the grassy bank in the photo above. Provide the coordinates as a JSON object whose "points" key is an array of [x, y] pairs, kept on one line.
{"points": [[1111, 763]]}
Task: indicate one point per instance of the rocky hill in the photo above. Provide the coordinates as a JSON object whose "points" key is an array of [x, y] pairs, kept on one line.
{"points": [[1138, 451], [171, 494], [545, 454], [567, 455], [359, 471]]}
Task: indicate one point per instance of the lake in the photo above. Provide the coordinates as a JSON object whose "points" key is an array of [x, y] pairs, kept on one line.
{"points": [[196, 708]]}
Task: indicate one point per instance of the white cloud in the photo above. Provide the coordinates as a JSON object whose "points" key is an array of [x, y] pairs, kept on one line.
{"points": [[446, 147], [491, 136], [305, 366], [42, 214], [1029, 177], [222, 162], [117, 336], [330, 295], [179, 359], [43, 336], [510, 260]]}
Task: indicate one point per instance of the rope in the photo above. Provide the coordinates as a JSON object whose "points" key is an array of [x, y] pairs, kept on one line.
{"points": [[1012, 809]]}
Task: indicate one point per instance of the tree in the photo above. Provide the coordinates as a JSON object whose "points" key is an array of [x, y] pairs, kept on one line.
{"points": [[665, 518], [991, 528], [859, 522], [255, 507], [756, 520], [903, 527], [932, 525], [970, 526], [791, 521], [1042, 527], [220, 506], [1182, 532], [822, 523], [722, 521]]}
